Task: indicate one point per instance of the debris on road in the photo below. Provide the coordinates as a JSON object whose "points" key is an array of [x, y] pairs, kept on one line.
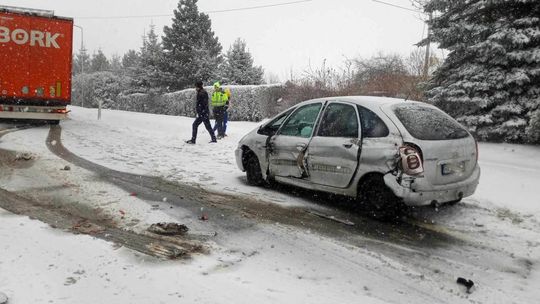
{"points": [[87, 227], [467, 283], [168, 229], [204, 216], [24, 156], [66, 168], [332, 218]]}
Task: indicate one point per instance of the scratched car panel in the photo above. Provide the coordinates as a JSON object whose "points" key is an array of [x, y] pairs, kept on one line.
{"points": [[336, 144]]}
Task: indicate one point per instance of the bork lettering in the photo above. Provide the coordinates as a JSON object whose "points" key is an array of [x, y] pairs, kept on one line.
{"points": [[34, 38]]}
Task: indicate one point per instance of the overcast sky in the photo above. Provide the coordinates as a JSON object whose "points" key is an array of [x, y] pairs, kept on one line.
{"points": [[280, 38]]}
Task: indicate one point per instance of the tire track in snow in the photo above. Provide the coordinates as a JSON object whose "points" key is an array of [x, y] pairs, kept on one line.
{"points": [[429, 249]]}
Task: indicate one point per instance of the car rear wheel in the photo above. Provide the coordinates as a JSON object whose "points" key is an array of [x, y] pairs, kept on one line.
{"points": [[378, 200], [253, 170]]}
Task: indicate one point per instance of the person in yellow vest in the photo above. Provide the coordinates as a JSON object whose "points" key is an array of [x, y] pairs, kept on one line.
{"points": [[219, 102], [225, 113]]}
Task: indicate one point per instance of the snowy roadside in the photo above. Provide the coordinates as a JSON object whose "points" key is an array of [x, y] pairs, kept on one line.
{"points": [[62, 268], [154, 145], [65, 268], [268, 264]]}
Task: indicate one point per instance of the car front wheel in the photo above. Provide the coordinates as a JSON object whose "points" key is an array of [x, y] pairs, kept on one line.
{"points": [[253, 170]]}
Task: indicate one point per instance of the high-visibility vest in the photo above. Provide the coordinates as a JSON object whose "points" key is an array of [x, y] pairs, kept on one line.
{"points": [[219, 99]]}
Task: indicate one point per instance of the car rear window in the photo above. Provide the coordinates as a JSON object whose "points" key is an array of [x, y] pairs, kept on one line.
{"points": [[428, 123]]}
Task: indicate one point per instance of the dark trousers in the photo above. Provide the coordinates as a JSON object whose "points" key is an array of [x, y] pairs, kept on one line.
{"points": [[202, 119], [219, 113], [225, 120]]}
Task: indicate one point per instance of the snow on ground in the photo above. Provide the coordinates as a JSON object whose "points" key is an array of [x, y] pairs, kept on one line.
{"points": [[510, 177], [115, 203], [42, 265], [154, 144], [273, 263]]}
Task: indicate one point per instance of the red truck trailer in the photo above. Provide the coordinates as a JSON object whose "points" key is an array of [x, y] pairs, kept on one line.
{"points": [[35, 64]]}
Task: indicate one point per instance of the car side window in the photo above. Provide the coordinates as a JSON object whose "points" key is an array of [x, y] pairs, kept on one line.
{"points": [[372, 125], [302, 121], [339, 120], [273, 126]]}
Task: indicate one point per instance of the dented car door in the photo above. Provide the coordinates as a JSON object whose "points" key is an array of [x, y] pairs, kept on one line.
{"points": [[288, 147], [333, 153]]}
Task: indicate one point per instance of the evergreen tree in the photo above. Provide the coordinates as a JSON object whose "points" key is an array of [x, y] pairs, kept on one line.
{"points": [[130, 59], [81, 62], [491, 78], [238, 67], [191, 49], [147, 73], [99, 62], [116, 64]]}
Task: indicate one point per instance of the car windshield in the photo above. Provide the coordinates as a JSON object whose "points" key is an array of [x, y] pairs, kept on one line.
{"points": [[427, 123]]}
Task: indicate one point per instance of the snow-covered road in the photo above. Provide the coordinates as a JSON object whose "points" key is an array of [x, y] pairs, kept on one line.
{"points": [[492, 238]]}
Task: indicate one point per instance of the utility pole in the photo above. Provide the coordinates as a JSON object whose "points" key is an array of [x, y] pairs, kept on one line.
{"points": [[428, 42], [82, 61]]}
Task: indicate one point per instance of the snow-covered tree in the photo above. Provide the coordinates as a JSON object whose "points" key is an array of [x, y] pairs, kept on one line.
{"points": [[238, 66], [191, 49], [89, 89], [533, 130], [490, 80], [99, 62], [116, 64], [147, 73], [130, 59]]}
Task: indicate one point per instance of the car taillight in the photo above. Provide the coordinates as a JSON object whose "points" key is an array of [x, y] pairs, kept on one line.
{"points": [[411, 162]]}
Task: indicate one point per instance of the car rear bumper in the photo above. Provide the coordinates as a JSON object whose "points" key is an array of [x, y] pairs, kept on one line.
{"points": [[238, 155], [439, 194]]}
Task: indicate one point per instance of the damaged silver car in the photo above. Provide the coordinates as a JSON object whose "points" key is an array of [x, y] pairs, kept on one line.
{"points": [[382, 151]]}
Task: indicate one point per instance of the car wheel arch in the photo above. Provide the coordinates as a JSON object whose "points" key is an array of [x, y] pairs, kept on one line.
{"points": [[365, 178], [246, 152]]}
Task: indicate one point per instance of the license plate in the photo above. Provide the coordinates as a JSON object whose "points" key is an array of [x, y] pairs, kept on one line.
{"points": [[453, 168]]}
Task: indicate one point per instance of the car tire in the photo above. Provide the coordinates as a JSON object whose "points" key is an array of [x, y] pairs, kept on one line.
{"points": [[378, 200], [253, 170]]}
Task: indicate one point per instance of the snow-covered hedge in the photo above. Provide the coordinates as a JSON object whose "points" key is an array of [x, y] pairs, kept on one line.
{"points": [[248, 103]]}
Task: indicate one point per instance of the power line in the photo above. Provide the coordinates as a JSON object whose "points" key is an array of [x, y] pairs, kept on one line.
{"points": [[207, 12], [257, 7], [398, 6]]}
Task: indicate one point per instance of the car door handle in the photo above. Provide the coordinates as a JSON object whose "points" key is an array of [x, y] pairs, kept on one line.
{"points": [[348, 146]]}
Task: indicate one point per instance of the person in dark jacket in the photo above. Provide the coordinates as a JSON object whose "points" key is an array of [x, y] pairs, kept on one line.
{"points": [[203, 114]]}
